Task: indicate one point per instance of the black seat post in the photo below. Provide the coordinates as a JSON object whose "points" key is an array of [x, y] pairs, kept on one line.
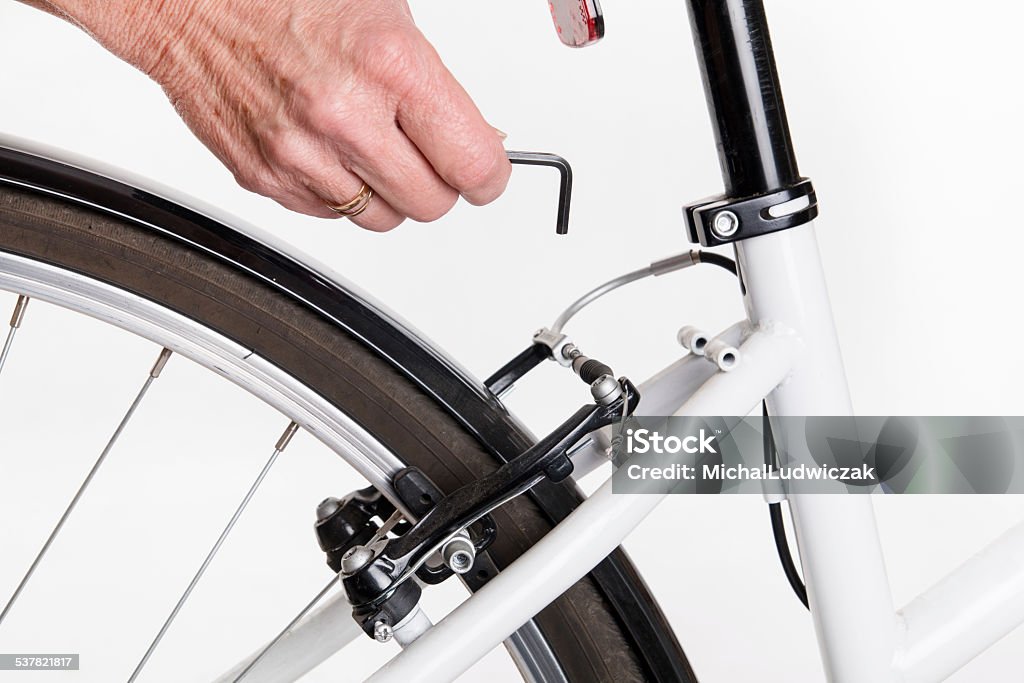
{"points": [[743, 93]]}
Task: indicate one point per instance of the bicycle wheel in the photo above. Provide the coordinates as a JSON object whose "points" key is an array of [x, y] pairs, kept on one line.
{"points": [[74, 254]]}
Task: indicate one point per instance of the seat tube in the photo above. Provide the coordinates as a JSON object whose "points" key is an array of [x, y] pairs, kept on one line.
{"points": [[784, 284]]}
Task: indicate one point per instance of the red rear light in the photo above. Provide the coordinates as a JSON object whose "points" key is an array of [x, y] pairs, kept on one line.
{"points": [[579, 22]]}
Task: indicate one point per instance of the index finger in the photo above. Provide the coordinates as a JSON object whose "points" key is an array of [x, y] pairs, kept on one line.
{"points": [[466, 151]]}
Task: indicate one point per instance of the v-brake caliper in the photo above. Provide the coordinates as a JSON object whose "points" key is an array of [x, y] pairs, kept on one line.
{"points": [[377, 565]]}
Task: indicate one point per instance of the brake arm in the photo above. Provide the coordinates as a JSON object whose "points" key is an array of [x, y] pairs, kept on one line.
{"points": [[377, 576]]}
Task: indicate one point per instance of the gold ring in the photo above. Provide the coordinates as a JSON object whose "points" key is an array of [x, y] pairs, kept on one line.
{"points": [[356, 206]]}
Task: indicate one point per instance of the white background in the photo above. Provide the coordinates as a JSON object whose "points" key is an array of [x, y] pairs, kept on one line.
{"points": [[906, 115]]}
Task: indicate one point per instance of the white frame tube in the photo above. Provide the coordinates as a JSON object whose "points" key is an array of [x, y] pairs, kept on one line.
{"points": [[963, 614], [840, 553], [324, 631]]}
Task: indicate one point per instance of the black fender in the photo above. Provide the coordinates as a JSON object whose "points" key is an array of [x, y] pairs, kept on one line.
{"points": [[33, 167]]}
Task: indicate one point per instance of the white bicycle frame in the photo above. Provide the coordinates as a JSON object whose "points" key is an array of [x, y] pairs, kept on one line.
{"points": [[790, 357]]}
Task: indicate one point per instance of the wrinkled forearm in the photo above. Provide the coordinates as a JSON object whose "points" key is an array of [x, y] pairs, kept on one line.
{"points": [[137, 31], [41, 4]]}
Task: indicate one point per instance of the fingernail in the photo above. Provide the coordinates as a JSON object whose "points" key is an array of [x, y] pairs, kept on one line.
{"points": [[501, 134]]}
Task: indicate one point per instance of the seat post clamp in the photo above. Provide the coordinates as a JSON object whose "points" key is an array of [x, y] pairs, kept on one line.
{"points": [[721, 220]]}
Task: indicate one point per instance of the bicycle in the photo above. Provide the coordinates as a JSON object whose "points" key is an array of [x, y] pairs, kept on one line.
{"points": [[341, 367]]}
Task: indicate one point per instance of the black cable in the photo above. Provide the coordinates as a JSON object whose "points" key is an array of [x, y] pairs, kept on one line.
{"points": [[782, 545], [778, 524], [718, 260], [770, 459]]}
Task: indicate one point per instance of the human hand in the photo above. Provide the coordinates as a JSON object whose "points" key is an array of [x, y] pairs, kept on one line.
{"points": [[306, 100]]}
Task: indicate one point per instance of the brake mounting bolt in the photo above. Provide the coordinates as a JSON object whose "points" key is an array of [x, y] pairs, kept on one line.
{"points": [[382, 633], [326, 508]]}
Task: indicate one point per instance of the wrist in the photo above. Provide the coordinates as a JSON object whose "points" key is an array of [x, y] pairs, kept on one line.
{"points": [[141, 32]]}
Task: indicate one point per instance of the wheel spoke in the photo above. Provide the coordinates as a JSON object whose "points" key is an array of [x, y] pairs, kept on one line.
{"points": [[161, 361], [282, 443], [16, 318]]}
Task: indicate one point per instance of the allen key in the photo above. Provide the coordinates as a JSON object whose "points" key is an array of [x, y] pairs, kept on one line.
{"points": [[565, 185]]}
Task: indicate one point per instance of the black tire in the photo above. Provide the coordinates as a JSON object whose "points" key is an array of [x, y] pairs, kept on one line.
{"points": [[581, 628]]}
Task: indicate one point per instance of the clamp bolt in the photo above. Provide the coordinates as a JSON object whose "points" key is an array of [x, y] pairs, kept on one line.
{"points": [[382, 633], [725, 224]]}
